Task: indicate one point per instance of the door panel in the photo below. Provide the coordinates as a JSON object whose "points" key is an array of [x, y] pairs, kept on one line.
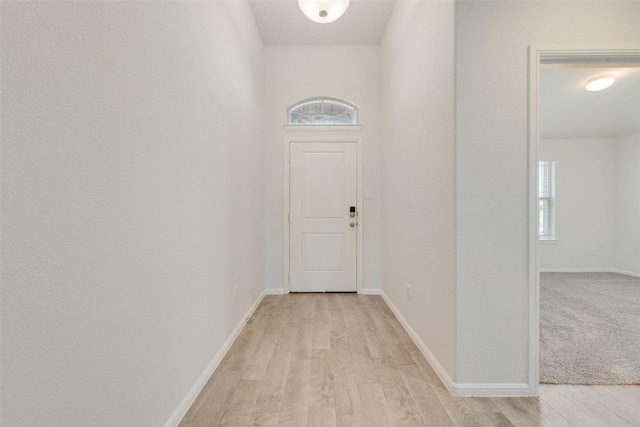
{"points": [[322, 188], [322, 252]]}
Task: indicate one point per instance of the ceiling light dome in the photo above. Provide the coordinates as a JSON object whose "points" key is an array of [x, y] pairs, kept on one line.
{"points": [[323, 11], [599, 83]]}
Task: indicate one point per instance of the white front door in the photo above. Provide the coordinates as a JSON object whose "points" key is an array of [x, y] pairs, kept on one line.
{"points": [[322, 232]]}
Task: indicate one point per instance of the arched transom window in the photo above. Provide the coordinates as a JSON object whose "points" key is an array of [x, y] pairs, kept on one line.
{"points": [[323, 111]]}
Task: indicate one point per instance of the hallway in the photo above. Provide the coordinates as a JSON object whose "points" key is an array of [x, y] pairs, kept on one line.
{"points": [[345, 360]]}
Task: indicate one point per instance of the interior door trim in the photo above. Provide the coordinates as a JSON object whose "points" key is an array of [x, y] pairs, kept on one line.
{"points": [[319, 138]]}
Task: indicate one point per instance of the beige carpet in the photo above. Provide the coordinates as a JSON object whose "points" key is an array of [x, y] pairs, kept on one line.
{"points": [[589, 328]]}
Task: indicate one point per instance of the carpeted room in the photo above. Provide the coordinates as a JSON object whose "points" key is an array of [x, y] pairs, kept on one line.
{"points": [[589, 328], [589, 251]]}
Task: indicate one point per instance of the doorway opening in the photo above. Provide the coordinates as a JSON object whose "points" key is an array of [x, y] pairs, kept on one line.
{"points": [[541, 149]]}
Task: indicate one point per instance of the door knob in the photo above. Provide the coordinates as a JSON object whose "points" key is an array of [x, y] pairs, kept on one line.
{"points": [[352, 224]]}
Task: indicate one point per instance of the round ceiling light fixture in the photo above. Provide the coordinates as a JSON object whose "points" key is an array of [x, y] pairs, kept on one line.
{"points": [[599, 83], [323, 11]]}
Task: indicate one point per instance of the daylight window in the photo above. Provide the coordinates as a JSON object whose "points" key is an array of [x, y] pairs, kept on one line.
{"points": [[323, 111], [546, 200]]}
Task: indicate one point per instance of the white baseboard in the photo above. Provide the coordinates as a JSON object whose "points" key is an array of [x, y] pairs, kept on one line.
{"points": [[492, 390], [444, 376], [578, 270], [275, 292], [588, 270], [200, 383], [628, 273], [456, 389]]}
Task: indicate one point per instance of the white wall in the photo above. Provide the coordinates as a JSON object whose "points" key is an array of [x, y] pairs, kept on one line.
{"points": [[627, 204], [293, 73], [131, 203], [491, 167], [584, 205], [418, 226]]}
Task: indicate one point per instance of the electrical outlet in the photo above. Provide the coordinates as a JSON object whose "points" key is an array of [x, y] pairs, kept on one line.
{"points": [[237, 293], [408, 292]]}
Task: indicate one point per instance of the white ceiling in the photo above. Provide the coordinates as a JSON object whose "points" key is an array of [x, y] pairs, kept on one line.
{"points": [[282, 22], [568, 110]]}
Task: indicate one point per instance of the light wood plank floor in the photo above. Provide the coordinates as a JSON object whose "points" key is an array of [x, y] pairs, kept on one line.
{"points": [[345, 360]]}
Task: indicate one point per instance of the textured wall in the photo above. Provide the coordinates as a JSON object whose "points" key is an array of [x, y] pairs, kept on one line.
{"points": [[131, 203], [492, 39], [585, 192], [418, 225], [627, 203]]}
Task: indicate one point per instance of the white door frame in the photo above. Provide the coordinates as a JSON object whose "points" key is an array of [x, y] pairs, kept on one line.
{"points": [[288, 140], [536, 54]]}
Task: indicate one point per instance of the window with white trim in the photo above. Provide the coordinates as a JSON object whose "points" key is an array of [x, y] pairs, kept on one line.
{"points": [[323, 111], [546, 200]]}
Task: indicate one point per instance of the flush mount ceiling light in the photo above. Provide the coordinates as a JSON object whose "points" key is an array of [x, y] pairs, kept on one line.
{"points": [[600, 83], [323, 11]]}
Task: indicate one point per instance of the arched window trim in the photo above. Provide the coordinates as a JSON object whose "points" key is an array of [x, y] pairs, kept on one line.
{"points": [[350, 105]]}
